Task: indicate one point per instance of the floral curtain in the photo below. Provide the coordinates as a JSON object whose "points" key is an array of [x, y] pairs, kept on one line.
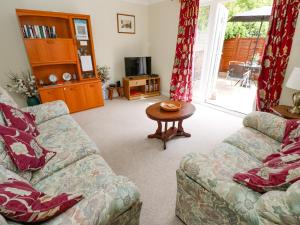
{"points": [[276, 56], [181, 81]]}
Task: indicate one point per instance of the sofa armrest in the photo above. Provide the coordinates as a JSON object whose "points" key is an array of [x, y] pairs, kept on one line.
{"points": [[267, 123], [48, 111], [280, 207]]}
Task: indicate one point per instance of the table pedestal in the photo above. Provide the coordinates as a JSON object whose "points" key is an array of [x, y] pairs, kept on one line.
{"points": [[168, 134]]}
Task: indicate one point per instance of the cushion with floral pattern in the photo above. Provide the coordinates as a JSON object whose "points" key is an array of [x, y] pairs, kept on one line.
{"points": [[291, 133], [24, 150], [20, 202], [276, 174], [293, 148], [16, 118]]}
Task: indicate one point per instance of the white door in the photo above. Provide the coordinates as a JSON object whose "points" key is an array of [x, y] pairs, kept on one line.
{"points": [[216, 32]]}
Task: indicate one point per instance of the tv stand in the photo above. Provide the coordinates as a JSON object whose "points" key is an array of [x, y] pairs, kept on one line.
{"points": [[141, 87]]}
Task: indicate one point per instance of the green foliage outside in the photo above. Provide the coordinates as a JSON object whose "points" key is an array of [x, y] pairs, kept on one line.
{"points": [[237, 28], [203, 18], [245, 29]]}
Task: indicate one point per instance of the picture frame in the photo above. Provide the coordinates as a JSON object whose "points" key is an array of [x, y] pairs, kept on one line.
{"points": [[126, 23], [81, 29]]}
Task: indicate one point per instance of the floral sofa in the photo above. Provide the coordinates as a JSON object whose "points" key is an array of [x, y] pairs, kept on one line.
{"points": [[207, 194], [77, 168]]}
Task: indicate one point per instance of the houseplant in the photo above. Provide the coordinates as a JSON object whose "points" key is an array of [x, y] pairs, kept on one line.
{"points": [[24, 84], [103, 75]]}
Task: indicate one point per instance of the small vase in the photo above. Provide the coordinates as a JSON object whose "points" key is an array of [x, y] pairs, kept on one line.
{"points": [[104, 91], [32, 101]]}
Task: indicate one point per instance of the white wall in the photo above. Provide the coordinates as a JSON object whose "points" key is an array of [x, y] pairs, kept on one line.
{"points": [[286, 97], [156, 34], [163, 27], [110, 46]]}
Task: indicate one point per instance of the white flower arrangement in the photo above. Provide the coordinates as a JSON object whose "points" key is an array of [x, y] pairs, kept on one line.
{"points": [[23, 84], [103, 73]]}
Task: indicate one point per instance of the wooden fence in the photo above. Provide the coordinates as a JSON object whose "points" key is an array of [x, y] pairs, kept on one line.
{"points": [[240, 49]]}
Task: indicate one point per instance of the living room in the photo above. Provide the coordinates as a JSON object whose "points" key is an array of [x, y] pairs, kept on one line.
{"points": [[140, 147]]}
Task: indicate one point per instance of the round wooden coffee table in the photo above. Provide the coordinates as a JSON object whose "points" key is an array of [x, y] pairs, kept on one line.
{"points": [[154, 112]]}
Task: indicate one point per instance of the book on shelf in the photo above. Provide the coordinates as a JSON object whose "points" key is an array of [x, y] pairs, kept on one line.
{"points": [[36, 31]]}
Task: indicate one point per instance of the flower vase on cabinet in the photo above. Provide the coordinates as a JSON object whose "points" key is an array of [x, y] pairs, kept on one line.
{"points": [[32, 101]]}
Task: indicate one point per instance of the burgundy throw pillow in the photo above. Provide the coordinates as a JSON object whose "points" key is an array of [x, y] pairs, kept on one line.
{"points": [[20, 202], [24, 150], [276, 174], [291, 133], [16, 118], [293, 148]]}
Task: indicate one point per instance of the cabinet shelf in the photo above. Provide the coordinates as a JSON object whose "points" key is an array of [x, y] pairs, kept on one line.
{"points": [[52, 63], [46, 39]]}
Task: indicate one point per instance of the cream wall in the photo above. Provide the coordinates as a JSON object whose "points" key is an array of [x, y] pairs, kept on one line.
{"points": [[163, 27], [286, 97], [156, 34], [110, 46]]}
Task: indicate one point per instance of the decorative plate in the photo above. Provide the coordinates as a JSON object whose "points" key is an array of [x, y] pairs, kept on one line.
{"points": [[53, 78], [67, 76], [170, 106]]}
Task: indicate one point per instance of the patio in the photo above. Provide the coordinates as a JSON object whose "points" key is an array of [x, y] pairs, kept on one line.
{"points": [[232, 97]]}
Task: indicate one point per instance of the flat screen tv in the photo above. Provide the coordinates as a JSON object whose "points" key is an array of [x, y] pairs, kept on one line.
{"points": [[135, 66]]}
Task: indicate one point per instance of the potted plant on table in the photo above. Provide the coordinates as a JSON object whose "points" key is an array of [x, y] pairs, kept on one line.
{"points": [[103, 75], [25, 85]]}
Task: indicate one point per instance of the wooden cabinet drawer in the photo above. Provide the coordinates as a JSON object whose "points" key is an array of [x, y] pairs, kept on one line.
{"points": [[49, 95], [75, 98], [93, 95], [133, 83], [78, 97], [47, 51]]}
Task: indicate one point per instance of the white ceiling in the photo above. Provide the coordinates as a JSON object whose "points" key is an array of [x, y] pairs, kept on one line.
{"points": [[143, 2]]}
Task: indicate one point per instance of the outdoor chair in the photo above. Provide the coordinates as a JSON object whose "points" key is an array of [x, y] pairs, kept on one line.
{"points": [[237, 71]]}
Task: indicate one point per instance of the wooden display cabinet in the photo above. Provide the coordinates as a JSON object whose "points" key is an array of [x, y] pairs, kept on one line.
{"points": [[141, 87], [60, 54]]}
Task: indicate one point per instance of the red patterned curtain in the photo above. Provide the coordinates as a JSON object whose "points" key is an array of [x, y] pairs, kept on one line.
{"points": [[277, 51], [181, 82]]}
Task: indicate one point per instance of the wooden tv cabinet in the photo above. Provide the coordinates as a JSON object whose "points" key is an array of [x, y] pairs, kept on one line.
{"points": [[141, 87]]}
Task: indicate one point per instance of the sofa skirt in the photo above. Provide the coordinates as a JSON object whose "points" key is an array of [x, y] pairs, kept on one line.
{"points": [[197, 206], [130, 217]]}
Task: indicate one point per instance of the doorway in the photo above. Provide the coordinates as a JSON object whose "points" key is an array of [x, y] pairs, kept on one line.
{"points": [[228, 54]]}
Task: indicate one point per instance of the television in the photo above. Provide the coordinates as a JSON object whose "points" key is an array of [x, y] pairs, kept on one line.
{"points": [[136, 66]]}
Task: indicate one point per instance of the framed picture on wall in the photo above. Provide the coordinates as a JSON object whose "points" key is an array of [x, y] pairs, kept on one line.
{"points": [[81, 29], [126, 23]]}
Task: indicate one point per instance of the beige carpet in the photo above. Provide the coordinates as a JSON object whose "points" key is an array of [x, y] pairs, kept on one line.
{"points": [[120, 130]]}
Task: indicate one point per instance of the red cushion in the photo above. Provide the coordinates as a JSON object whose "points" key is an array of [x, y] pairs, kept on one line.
{"points": [[20, 202], [293, 148], [275, 174], [16, 118], [24, 150], [291, 133]]}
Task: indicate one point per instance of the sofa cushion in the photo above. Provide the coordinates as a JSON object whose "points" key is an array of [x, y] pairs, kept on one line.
{"points": [[254, 143], [95, 179], [7, 163], [24, 150], [64, 136], [214, 172], [18, 119], [19, 201], [275, 174]]}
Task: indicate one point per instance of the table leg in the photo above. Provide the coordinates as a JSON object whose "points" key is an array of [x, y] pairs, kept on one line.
{"points": [[180, 131], [158, 132], [165, 135]]}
